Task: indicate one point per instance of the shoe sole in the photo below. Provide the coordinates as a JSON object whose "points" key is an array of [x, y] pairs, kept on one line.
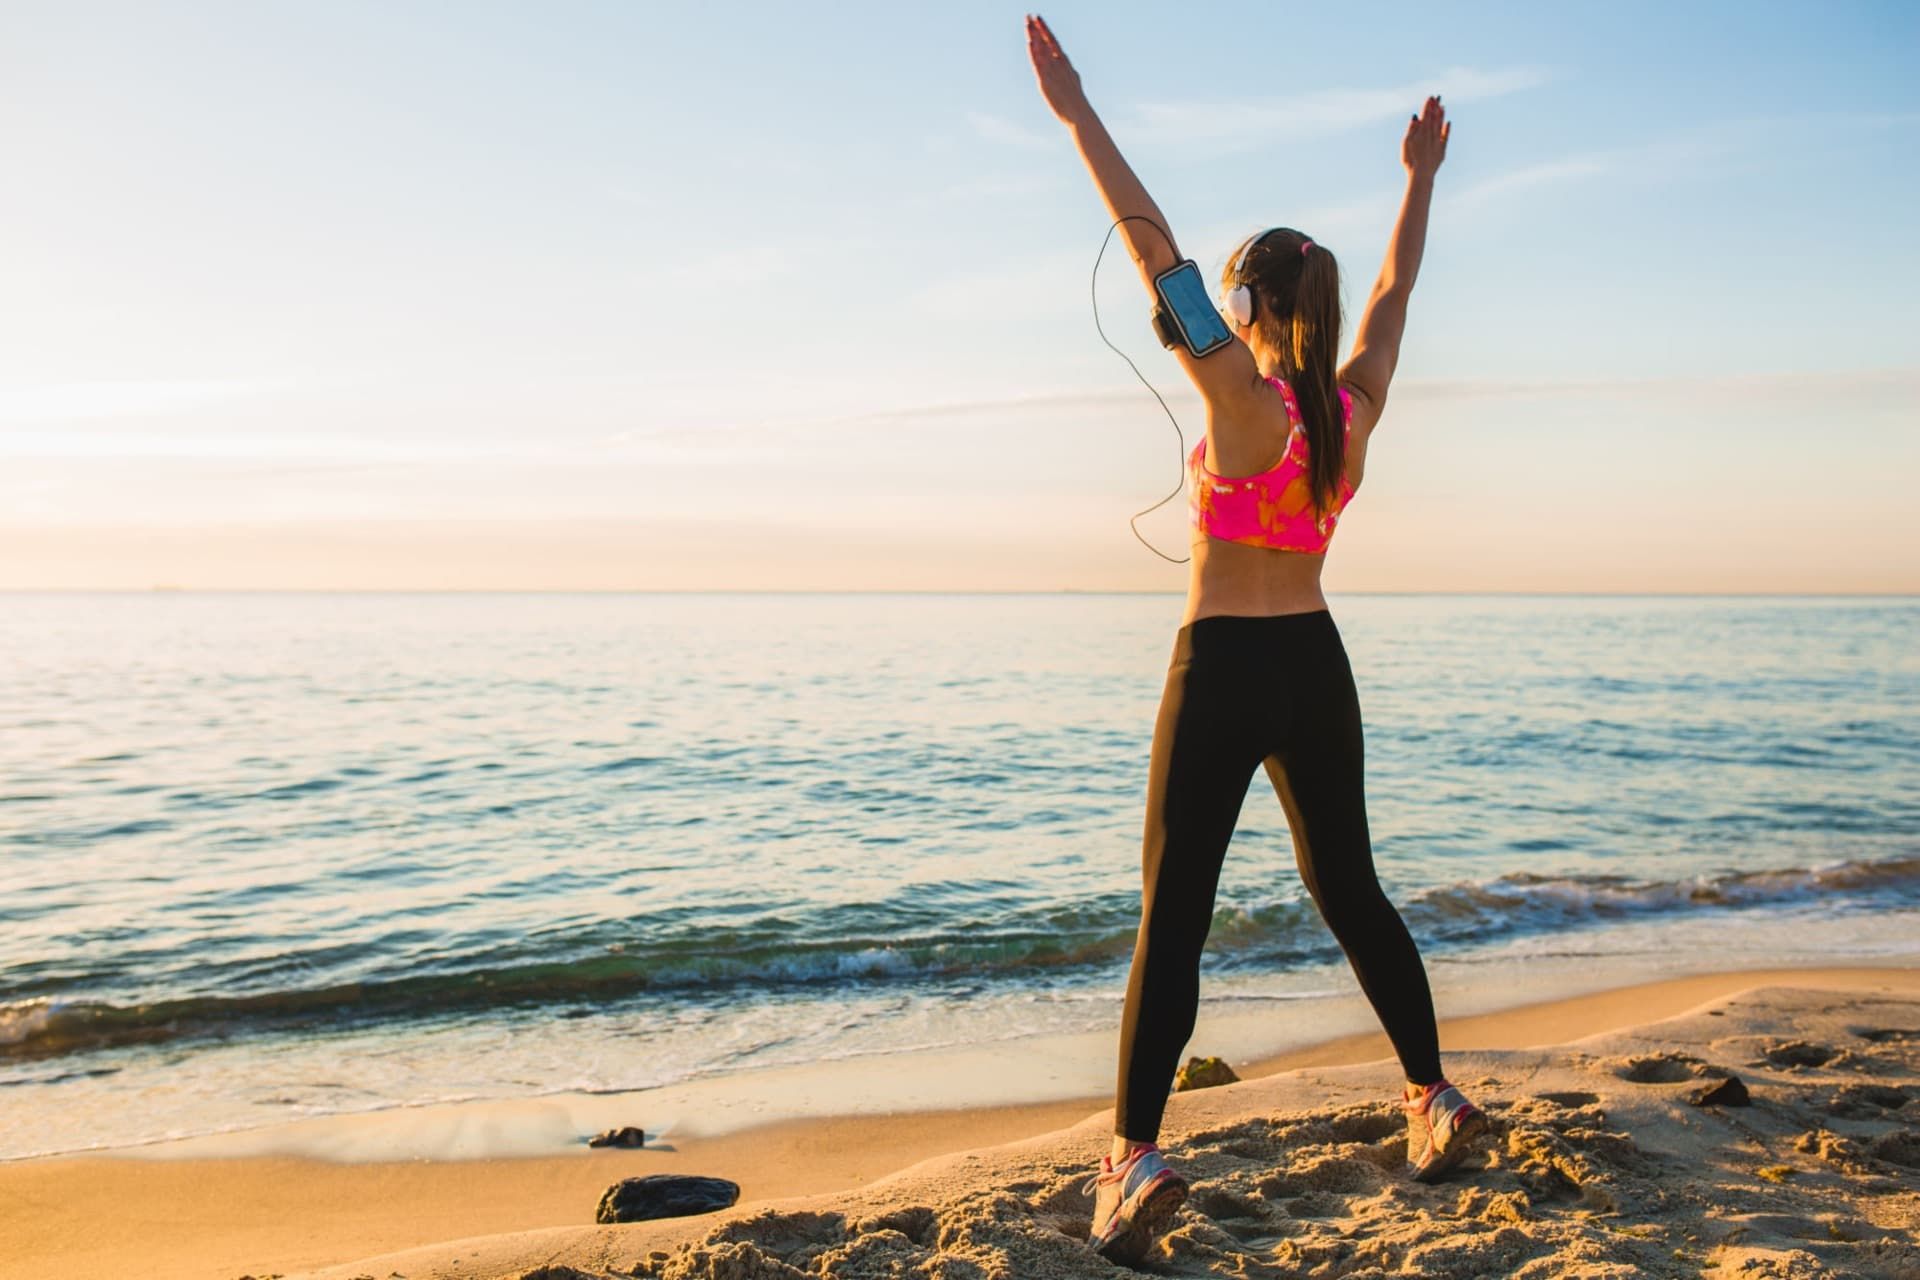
{"points": [[1150, 1218], [1473, 1126]]}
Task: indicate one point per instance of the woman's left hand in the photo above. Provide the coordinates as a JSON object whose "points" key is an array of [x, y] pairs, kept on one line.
{"points": [[1059, 82]]}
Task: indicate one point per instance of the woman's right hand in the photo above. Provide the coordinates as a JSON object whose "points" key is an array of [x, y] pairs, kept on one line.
{"points": [[1425, 145], [1059, 82]]}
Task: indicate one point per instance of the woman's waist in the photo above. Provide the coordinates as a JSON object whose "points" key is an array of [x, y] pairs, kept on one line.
{"points": [[1232, 579], [1259, 647]]}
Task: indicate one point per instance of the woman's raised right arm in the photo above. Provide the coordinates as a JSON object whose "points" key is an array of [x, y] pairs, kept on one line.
{"points": [[1376, 346], [1141, 224], [1228, 374]]}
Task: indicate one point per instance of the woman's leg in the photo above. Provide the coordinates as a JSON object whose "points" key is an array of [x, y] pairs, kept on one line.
{"points": [[1203, 758], [1318, 772]]}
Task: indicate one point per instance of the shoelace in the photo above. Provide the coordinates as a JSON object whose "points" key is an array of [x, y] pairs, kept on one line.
{"points": [[1110, 1172], [1420, 1104]]}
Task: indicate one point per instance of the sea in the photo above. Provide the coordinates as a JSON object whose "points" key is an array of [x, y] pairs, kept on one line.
{"points": [[271, 856]]}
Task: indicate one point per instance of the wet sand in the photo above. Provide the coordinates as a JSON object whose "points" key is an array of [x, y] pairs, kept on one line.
{"points": [[1298, 1158]]}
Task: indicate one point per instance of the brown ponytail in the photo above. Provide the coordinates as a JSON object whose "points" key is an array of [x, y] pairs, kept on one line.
{"points": [[1296, 311]]}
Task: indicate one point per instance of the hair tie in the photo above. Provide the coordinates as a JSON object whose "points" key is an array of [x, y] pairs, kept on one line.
{"points": [[1304, 246]]}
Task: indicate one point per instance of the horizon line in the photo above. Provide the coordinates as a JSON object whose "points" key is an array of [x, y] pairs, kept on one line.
{"points": [[165, 590]]}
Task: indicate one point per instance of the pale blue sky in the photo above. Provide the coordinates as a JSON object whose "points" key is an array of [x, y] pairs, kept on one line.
{"points": [[602, 294]]}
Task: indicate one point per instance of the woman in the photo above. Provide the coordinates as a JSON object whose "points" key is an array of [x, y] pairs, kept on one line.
{"points": [[1259, 675]]}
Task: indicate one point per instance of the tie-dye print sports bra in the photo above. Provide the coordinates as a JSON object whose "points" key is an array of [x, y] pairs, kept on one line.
{"points": [[1275, 508]]}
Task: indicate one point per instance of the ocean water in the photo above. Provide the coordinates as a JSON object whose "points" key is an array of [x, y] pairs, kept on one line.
{"points": [[266, 856]]}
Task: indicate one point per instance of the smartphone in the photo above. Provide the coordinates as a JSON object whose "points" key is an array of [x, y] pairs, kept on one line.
{"points": [[1186, 314]]}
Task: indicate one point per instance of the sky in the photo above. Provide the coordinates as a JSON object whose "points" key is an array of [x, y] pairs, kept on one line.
{"points": [[595, 295]]}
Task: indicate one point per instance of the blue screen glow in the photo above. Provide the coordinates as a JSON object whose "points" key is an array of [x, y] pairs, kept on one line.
{"points": [[1186, 294]]}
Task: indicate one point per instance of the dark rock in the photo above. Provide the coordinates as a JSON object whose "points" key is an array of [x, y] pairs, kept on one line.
{"points": [[627, 1137], [1203, 1073], [1726, 1093], [665, 1195]]}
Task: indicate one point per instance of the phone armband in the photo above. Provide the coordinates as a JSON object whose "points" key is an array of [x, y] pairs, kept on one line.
{"points": [[1184, 314]]}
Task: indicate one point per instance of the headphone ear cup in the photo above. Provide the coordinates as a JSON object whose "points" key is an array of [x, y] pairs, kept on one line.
{"points": [[1240, 304]]}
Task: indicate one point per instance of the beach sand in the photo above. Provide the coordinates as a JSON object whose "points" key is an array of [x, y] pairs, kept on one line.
{"points": [[1599, 1167]]}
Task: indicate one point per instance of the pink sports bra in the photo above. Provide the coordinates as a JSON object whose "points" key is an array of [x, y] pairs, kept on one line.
{"points": [[1275, 508]]}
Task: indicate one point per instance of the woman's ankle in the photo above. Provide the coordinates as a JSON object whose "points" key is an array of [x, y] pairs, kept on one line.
{"points": [[1125, 1147]]}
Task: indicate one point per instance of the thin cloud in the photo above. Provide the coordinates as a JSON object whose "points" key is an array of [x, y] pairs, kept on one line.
{"points": [[1327, 223], [744, 264], [121, 445], [1010, 133], [1895, 385], [1533, 175], [1662, 159], [1820, 384], [1035, 280], [1856, 120], [80, 401], [988, 187], [1235, 125]]}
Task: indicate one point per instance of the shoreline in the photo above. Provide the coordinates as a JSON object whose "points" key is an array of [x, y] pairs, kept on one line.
{"points": [[195, 1215], [1243, 1019]]}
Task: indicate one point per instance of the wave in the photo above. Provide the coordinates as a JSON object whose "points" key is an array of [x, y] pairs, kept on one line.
{"points": [[1082, 936], [1524, 903]]}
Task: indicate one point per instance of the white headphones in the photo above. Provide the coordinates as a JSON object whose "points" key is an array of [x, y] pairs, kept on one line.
{"points": [[1239, 299]]}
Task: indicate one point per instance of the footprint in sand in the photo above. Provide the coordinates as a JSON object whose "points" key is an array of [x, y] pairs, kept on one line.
{"points": [[1865, 1101], [1901, 1148], [1798, 1053], [1661, 1068], [1570, 1099], [1754, 1263], [1885, 1154], [1223, 1202]]}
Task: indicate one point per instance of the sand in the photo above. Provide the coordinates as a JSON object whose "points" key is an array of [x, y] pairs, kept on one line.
{"points": [[1600, 1167]]}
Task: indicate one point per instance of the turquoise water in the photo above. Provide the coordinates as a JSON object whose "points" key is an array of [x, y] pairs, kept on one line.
{"points": [[271, 855]]}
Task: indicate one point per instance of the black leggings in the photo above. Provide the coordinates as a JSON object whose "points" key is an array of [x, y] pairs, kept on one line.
{"points": [[1241, 692]]}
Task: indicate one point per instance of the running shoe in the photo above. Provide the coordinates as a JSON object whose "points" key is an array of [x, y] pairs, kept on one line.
{"points": [[1132, 1204], [1441, 1128]]}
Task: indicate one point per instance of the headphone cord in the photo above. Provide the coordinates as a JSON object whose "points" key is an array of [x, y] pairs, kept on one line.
{"points": [[1179, 435]]}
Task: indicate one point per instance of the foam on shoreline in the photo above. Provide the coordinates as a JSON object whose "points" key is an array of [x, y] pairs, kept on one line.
{"points": [[1246, 1025], [280, 1213]]}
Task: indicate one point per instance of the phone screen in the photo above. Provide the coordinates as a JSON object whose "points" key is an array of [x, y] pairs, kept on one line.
{"points": [[1186, 296]]}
